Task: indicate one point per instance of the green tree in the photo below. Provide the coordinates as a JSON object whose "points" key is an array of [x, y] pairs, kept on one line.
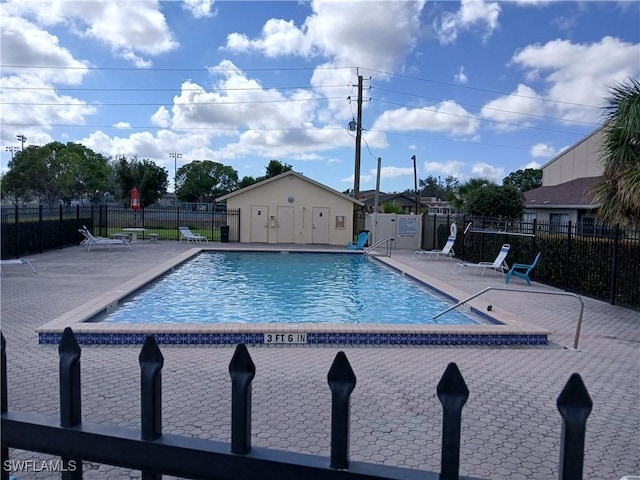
{"points": [[431, 187], [619, 190], [151, 180], [524, 180], [495, 201], [203, 181], [459, 197], [276, 168], [56, 171]]}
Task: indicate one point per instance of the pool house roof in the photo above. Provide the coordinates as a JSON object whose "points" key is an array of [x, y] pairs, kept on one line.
{"points": [[284, 175]]}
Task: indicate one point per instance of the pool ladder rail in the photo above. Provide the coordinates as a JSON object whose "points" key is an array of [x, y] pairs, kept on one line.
{"points": [[522, 290], [388, 241]]}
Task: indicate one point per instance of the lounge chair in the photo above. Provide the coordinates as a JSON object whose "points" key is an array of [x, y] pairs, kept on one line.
{"points": [[359, 245], [522, 266], [16, 261], [189, 236], [447, 250], [90, 240], [498, 264]]}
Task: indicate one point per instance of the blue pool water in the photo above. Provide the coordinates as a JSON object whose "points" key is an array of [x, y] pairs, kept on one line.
{"points": [[243, 287]]}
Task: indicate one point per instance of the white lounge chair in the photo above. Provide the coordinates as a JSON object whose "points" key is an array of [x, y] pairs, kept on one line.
{"points": [[16, 261], [90, 240], [189, 236], [499, 264], [447, 250]]}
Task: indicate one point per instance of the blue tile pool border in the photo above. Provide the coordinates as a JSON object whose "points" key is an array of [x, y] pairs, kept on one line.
{"points": [[372, 339]]}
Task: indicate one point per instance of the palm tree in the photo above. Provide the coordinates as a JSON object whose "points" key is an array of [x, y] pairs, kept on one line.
{"points": [[619, 191]]}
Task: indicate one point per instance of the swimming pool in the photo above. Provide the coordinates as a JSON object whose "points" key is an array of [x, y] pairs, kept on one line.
{"points": [[505, 329], [258, 287]]}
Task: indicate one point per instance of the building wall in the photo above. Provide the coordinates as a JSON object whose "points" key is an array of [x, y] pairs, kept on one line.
{"points": [[272, 202], [581, 160]]}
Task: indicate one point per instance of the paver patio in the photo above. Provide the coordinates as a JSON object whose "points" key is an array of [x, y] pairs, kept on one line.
{"points": [[511, 426]]}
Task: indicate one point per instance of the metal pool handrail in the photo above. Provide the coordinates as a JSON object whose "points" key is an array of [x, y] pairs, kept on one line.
{"points": [[503, 289], [377, 244]]}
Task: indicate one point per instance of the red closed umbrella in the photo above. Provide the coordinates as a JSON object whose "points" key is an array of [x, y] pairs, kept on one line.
{"points": [[135, 199]]}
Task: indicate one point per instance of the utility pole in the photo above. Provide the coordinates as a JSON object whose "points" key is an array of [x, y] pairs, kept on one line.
{"points": [[21, 138], [415, 183], [356, 170]]}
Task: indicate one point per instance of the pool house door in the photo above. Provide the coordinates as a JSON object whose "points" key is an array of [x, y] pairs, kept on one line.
{"points": [[284, 227], [259, 223], [320, 226]]}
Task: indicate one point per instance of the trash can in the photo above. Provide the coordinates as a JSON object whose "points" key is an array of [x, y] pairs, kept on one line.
{"points": [[224, 233]]}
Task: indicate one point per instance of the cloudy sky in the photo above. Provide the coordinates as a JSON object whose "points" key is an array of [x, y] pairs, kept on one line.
{"points": [[471, 88]]}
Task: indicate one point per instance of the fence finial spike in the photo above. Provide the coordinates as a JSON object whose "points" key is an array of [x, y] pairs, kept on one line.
{"points": [[574, 399], [150, 352], [452, 385], [68, 342], [241, 361], [341, 373]]}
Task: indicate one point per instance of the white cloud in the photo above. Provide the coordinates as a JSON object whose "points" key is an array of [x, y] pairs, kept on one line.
{"points": [[23, 43], [131, 29], [162, 117], [452, 168], [577, 76], [460, 77], [514, 108], [472, 13], [122, 125], [484, 170], [279, 38], [199, 8], [533, 164], [35, 106], [447, 117], [541, 150], [342, 33]]}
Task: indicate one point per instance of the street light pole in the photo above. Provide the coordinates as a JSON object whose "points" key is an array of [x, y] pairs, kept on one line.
{"points": [[175, 156], [11, 149], [21, 138]]}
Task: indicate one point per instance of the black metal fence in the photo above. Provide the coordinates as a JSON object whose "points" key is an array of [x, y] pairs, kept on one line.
{"points": [[597, 261], [34, 230], [155, 453]]}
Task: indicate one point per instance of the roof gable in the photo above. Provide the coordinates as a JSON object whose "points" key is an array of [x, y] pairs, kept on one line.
{"points": [[284, 175]]}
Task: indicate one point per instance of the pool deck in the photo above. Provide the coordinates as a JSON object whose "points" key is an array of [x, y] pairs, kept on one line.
{"points": [[511, 426]]}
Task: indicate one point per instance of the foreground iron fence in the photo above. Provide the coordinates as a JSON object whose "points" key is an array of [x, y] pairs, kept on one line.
{"points": [[34, 230], [155, 453], [596, 261]]}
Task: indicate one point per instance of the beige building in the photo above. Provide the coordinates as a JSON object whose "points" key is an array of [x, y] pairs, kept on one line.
{"points": [[581, 160], [291, 208], [568, 181]]}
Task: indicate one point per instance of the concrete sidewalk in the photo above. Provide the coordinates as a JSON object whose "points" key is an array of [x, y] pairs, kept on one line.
{"points": [[511, 426]]}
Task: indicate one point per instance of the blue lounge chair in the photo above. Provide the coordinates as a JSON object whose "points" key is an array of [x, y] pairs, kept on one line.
{"points": [[522, 266], [359, 245]]}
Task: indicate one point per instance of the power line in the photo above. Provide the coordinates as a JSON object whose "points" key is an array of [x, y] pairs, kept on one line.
{"points": [[233, 129], [285, 100], [106, 89], [487, 120], [489, 108], [481, 89]]}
